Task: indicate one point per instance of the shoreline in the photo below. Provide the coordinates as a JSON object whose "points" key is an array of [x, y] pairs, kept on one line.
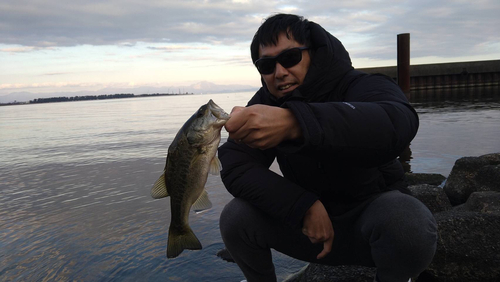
{"points": [[89, 98]]}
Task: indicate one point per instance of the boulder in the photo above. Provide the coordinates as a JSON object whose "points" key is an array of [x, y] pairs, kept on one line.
{"points": [[424, 178], [488, 178], [472, 174], [225, 255], [318, 272], [468, 248], [486, 202], [432, 196]]}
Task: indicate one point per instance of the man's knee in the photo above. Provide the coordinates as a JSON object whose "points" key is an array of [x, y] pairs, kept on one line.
{"points": [[228, 217], [409, 223], [416, 222], [234, 218], [405, 233], [396, 212]]}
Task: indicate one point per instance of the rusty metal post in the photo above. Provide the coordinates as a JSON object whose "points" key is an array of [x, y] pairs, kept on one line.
{"points": [[404, 62], [404, 81]]}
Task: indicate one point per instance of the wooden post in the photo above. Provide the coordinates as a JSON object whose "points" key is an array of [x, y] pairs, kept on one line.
{"points": [[404, 62]]}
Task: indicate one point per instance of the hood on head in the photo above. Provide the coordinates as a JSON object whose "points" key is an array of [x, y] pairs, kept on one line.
{"points": [[330, 62]]}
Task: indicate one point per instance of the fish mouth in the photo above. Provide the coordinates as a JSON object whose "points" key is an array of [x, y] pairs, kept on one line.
{"points": [[217, 111], [223, 116]]}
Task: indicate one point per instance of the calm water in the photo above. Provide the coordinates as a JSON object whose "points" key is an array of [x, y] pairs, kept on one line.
{"points": [[75, 180], [453, 124]]}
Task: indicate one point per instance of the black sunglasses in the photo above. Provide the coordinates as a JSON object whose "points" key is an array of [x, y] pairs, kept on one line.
{"points": [[287, 59]]}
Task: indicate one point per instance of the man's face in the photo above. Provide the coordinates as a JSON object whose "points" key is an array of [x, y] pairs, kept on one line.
{"points": [[284, 80]]}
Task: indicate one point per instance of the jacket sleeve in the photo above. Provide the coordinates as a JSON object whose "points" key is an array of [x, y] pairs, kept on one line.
{"points": [[246, 174], [371, 126]]}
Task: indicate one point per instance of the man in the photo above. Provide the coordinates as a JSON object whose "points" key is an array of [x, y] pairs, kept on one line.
{"points": [[336, 133]]}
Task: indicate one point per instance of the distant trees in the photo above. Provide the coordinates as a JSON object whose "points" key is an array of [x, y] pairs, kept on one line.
{"points": [[80, 98], [94, 97]]}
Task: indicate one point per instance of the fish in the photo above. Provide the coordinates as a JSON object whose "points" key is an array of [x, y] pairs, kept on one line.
{"points": [[191, 156]]}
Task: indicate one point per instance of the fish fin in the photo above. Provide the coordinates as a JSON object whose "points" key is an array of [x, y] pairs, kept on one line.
{"points": [[179, 241], [159, 189], [202, 203], [215, 166]]}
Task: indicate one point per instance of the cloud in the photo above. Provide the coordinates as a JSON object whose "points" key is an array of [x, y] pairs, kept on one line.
{"points": [[176, 48], [46, 85], [63, 23], [438, 28], [56, 73], [443, 28], [11, 86], [24, 49]]}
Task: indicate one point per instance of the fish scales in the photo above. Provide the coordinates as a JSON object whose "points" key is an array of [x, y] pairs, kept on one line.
{"points": [[191, 156], [183, 175]]}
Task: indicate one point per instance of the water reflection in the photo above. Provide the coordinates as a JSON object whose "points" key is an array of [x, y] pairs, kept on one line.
{"points": [[456, 98], [74, 189], [74, 194], [454, 122]]}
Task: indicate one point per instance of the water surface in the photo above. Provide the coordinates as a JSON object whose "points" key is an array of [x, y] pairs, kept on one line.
{"points": [[75, 180], [454, 123]]}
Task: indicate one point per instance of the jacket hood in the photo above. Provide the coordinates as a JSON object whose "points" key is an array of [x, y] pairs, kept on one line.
{"points": [[330, 62]]}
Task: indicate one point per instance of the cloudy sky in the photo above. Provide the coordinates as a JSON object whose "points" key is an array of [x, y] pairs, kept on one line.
{"points": [[63, 46]]}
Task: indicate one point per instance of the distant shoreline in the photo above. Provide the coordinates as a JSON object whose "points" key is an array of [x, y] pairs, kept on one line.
{"points": [[89, 98]]}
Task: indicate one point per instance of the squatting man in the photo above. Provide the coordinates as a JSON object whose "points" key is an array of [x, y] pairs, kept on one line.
{"points": [[336, 134]]}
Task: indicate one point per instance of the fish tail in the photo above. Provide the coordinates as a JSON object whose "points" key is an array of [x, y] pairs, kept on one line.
{"points": [[179, 241]]}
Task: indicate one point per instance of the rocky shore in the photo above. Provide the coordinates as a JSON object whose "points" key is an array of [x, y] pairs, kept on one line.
{"points": [[467, 210]]}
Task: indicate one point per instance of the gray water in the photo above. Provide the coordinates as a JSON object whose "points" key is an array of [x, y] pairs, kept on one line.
{"points": [[454, 123], [75, 180]]}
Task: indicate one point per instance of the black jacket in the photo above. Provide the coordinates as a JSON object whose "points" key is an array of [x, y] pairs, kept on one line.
{"points": [[354, 126]]}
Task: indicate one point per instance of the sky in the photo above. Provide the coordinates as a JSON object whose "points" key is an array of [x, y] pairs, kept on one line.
{"points": [[54, 46]]}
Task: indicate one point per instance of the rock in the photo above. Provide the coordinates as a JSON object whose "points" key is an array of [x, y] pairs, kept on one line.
{"points": [[468, 248], [225, 255], [486, 202], [488, 178], [460, 207], [432, 196], [491, 158], [424, 178], [318, 272], [469, 174]]}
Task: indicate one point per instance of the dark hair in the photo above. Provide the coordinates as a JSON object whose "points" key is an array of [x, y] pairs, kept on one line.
{"points": [[293, 26]]}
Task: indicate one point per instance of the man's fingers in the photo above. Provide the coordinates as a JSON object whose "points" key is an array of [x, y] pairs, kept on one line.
{"points": [[236, 121], [327, 248], [236, 110], [314, 241]]}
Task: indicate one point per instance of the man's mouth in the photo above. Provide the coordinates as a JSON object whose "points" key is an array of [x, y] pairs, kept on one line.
{"points": [[285, 87]]}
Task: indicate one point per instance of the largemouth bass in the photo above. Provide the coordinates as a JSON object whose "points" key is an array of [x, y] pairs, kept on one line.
{"points": [[191, 156]]}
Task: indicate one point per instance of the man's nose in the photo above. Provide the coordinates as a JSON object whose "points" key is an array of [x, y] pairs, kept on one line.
{"points": [[280, 71]]}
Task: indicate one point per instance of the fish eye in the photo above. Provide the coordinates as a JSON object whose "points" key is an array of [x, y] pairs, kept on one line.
{"points": [[201, 112]]}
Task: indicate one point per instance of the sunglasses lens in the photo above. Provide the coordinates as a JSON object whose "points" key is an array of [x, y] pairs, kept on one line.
{"points": [[287, 59], [290, 58], [265, 66]]}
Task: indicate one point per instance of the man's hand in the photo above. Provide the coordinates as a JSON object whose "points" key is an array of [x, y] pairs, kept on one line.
{"points": [[318, 227], [262, 126]]}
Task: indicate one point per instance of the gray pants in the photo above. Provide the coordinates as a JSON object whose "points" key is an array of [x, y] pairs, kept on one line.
{"points": [[395, 233]]}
